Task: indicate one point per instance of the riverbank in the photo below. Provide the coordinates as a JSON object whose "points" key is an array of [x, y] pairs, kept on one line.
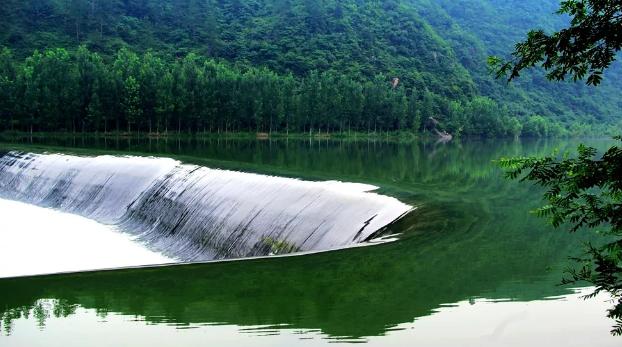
{"points": [[394, 135]]}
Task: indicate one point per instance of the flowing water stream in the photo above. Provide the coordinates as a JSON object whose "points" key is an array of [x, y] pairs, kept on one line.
{"points": [[193, 213]]}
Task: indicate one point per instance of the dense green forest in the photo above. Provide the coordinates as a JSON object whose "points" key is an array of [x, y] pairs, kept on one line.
{"points": [[74, 92], [283, 65]]}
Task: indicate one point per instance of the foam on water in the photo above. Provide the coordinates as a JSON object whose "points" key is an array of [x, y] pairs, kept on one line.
{"points": [[46, 241], [194, 213]]}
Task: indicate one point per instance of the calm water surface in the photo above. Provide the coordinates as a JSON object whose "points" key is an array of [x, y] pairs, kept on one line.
{"points": [[471, 266]]}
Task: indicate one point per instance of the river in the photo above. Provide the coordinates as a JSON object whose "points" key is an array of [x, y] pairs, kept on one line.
{"points": [[468, 266]]}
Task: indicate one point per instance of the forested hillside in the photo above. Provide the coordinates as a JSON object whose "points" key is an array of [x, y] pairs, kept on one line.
{"points": [[282, 65], [478, 28]]}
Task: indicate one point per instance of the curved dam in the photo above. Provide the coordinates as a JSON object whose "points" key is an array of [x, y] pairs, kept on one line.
{"points": [[193, 213]]}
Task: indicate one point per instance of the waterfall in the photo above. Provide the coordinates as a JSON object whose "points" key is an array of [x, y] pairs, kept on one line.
{"points": [[194, 213]]}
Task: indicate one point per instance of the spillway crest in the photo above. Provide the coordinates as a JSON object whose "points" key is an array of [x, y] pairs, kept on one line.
{"points": [[194, 213]]}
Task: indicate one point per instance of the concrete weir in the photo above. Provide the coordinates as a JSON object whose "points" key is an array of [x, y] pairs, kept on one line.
{"points": [[193, 213]]}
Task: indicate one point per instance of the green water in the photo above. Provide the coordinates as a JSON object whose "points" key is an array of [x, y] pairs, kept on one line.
{"points": [[471, 237]]}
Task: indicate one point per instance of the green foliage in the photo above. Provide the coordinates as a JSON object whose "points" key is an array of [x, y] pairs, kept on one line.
{"points": [[130, 102], [483, 117], [538, 126], [361, 39], [477, 29], [276, 247], [586, 48], [436, 48], [585, 192], [58, 90]]}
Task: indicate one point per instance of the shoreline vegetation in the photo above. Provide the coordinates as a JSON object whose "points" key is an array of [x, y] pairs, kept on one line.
{"points": [[163, 66], [351, 136], [58, 90], [233, 135]]}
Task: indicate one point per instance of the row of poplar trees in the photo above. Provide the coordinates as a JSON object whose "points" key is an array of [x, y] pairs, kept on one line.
{"points": [[57, 90]]}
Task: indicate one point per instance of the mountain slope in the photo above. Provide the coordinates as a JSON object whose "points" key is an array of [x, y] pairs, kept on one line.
{"points": [[478, 28], [433, 46], [355, 37]]}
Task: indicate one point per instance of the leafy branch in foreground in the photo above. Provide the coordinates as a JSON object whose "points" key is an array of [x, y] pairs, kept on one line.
{"points": [[583, 192], [586, 48]]}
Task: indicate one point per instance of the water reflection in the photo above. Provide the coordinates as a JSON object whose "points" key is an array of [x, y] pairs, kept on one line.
{"points": [[367, 160], [468, 323], [471, 238], [352, 294]]}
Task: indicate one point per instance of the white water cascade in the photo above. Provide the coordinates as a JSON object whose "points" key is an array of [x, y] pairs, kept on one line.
{"points": [[193, 213]]}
